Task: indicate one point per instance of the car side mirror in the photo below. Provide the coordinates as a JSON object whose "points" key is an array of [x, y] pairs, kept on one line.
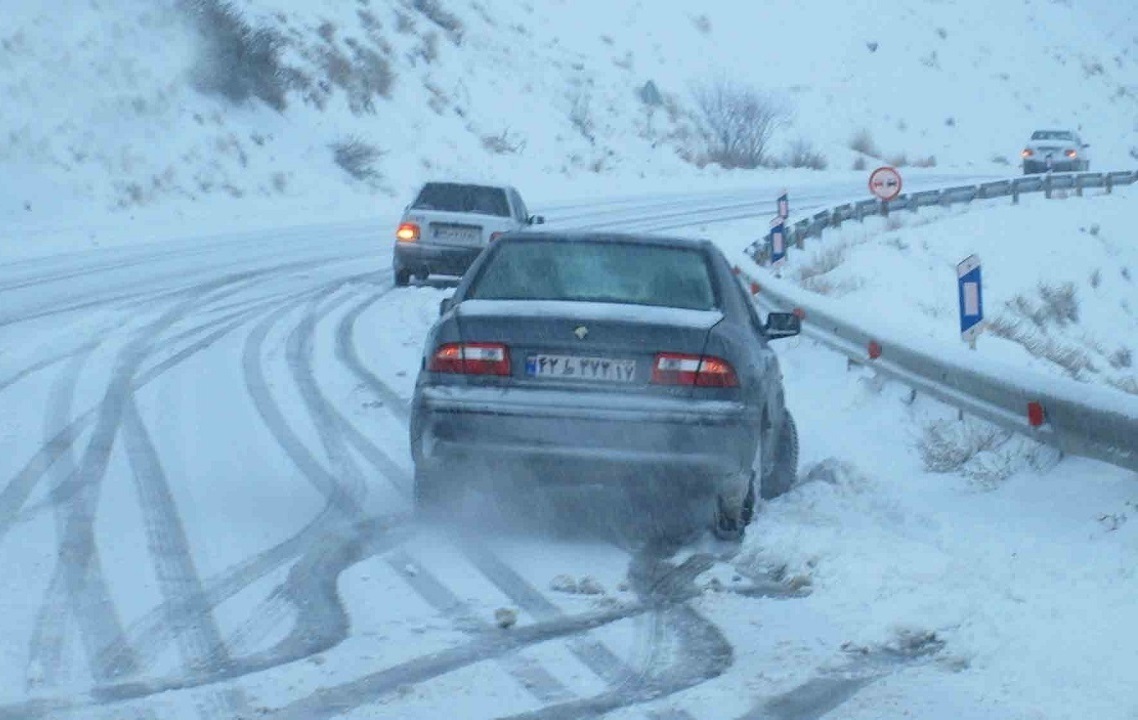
{"points": [[782, 325], [445, 304], [536, 220]]}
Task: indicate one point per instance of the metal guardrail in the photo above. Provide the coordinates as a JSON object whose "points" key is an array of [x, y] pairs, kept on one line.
{"points": [[834, 217], [1079, 419]]}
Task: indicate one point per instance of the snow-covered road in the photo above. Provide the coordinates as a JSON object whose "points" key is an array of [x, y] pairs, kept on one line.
{"points": [[204, 483]]}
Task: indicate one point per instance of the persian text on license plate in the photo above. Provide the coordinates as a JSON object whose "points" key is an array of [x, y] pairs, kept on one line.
{"points": [[444, 233], [580, 368]]}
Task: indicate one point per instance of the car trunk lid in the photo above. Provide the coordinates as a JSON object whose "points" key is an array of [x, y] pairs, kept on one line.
{"points": [[597, 345]]}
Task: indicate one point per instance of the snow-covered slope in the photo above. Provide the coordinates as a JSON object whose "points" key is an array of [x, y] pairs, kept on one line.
{"points": [[104, 111], [1060, 278]]}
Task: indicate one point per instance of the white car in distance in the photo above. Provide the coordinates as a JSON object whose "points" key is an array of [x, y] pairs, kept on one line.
{"points": [[1055, 150], [450, 223]]}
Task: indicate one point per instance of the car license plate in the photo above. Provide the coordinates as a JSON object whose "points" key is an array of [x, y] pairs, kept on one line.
{"points": [[457, 234], [581, 368]]}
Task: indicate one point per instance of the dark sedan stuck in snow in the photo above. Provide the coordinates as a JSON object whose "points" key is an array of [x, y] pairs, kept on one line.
{"points": [[637, 362]]}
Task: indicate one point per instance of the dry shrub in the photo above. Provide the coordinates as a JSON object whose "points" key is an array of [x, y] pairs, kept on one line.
{"points": [[737, 122], [862, 142]]}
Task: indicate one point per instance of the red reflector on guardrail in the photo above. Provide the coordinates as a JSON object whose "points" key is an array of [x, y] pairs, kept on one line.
{"points": [[1035, 414], [755, 288], [736, 270], [874, 349], [799, 313]]}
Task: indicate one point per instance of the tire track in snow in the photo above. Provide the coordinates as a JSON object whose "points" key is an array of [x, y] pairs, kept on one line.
{"points": [[199, 639], [78, 582], [19, 489], [530, 674]]}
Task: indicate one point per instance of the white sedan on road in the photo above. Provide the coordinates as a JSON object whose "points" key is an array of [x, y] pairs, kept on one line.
{"points": [[1061, 150], [450, 223]]}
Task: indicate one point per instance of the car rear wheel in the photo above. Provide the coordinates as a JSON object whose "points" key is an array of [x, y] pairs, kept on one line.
{"points": [[784, 470], [402, 278], [730, 524]]}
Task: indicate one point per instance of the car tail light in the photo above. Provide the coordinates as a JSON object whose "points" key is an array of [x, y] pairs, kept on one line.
{"points": [[471, 359], [1071, 153], [407, 232], [706, 371], [1028, 152]]}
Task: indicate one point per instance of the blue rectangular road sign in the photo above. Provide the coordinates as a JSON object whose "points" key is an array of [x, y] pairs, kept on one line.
{"points": [[777, 239], [784, 205], [971, 297]]}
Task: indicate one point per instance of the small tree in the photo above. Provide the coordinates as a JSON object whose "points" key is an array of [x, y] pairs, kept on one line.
{"points": [[737, 122]]}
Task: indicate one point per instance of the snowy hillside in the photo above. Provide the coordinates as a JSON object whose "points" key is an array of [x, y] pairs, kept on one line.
{"points": [[157, 111]]}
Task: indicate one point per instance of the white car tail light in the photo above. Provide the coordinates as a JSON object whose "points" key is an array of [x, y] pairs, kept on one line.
{"points": [[693, 370], [407, 232], [471, 359]]}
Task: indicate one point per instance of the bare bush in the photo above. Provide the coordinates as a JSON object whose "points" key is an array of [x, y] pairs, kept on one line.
{"points": [[504, 143], [862, 142], [899, 160], [859, 164], [357, 158], [1057, 305], [581, 114], [1074, 361], [980, 451], [1122, 358], [803, 155], [236, 60], [702, 23], [1096, 278], [1001, 160], [737, 122], [822, 262], [1060, 302], [925, 162], [434, 11], [947, 446]]}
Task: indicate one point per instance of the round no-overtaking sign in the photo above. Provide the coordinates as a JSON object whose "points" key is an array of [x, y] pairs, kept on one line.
{"points": [[885, 183]]}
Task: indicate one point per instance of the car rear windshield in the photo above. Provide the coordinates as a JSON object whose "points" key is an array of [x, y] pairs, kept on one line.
{"points": [[1052, 135], [632, 273], [453, 197]]}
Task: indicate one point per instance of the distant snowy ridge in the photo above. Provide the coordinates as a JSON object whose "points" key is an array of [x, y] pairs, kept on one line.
{"points": [[119, 109]]}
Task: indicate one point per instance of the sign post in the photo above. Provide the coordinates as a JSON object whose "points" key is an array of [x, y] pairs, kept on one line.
{"points": [[778, 243], [971, 299]]}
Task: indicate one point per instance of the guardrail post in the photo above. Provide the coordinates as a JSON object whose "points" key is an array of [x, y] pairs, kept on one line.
{"points": [[857, 212], [836, 218], [1079, 185], [914, 202], [1015, 193], [1047, 186], [885, 208], [1109, 184]]}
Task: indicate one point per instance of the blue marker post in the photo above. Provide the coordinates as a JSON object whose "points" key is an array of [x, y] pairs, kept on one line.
{"points": [[971, 299], [777, 240]]}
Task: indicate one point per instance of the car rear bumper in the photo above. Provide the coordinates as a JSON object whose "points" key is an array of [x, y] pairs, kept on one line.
{"points": [[1040, 166], [561, 437], [439, 259]]}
